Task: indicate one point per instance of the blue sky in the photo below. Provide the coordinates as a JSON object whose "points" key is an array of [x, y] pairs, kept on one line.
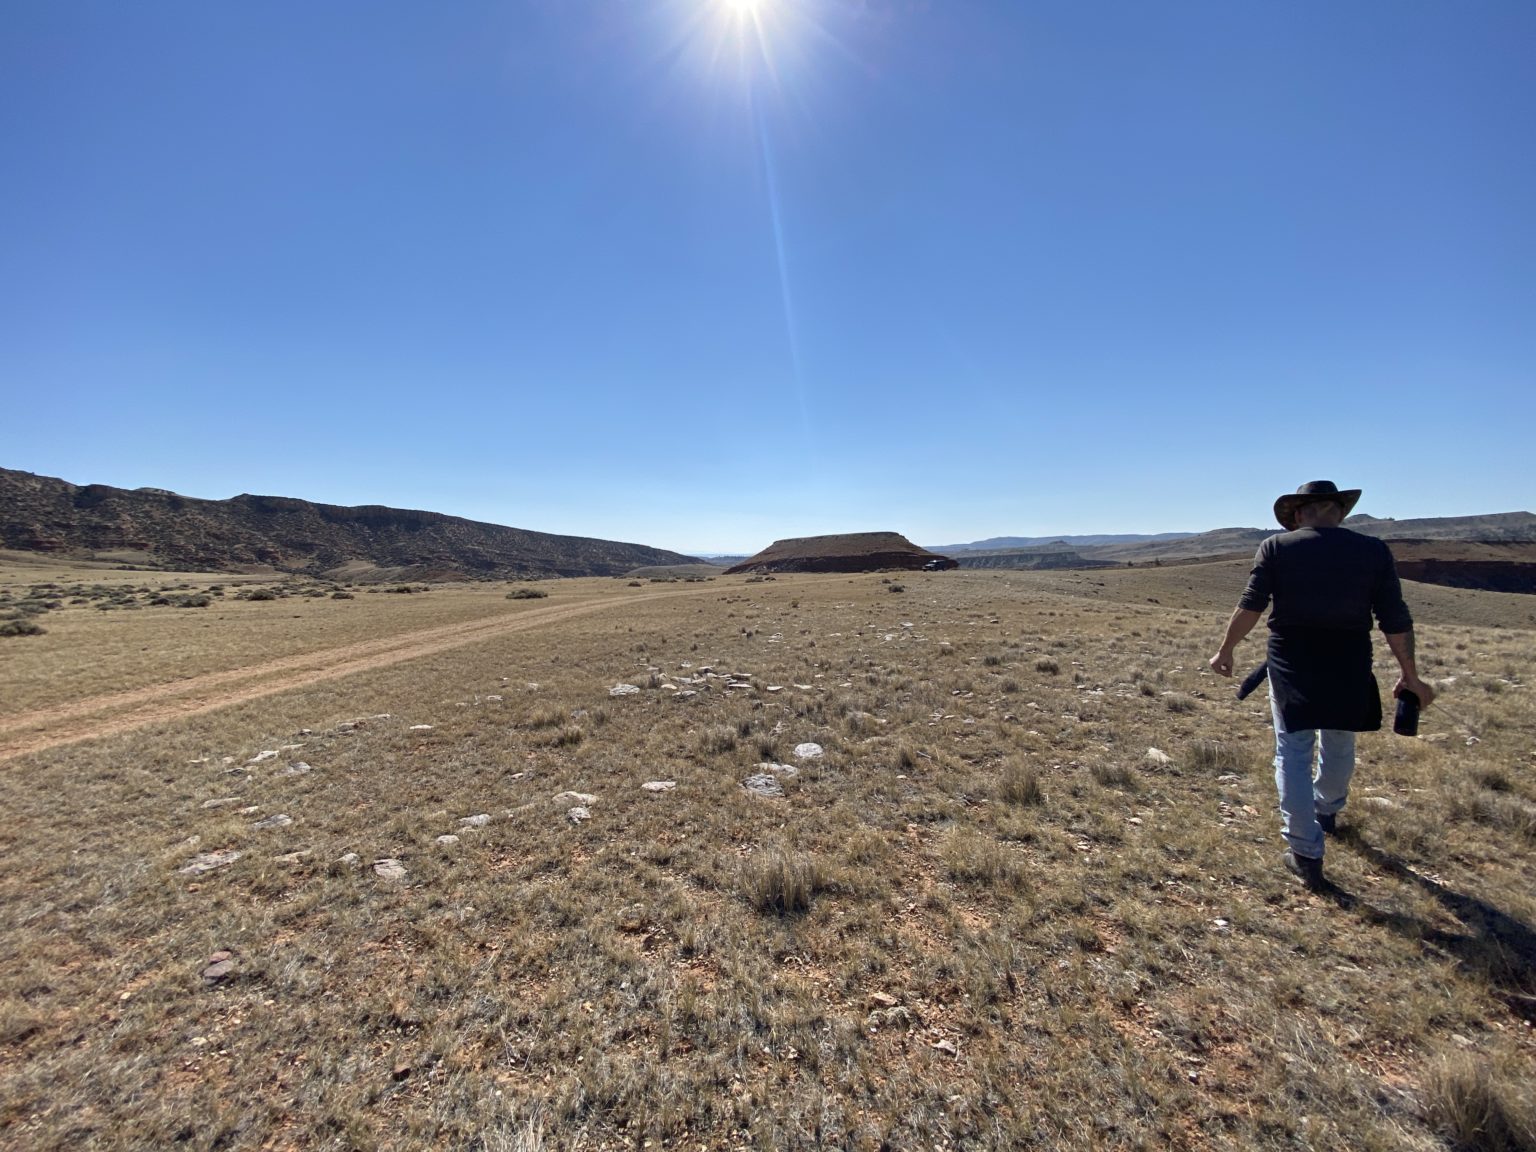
{"points": [[701, 275]]}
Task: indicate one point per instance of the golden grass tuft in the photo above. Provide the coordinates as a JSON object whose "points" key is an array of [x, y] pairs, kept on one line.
{"points": [[779, 882], [1478, 1110]]}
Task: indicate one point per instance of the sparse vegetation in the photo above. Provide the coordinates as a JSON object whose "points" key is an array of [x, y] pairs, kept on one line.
{"points": [[981, 918]]}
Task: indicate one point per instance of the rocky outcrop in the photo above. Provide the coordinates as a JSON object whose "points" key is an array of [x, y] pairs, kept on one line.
{"points": [[849, 552]]}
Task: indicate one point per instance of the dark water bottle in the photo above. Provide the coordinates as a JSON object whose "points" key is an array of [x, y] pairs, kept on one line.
{"points": [[1406, 722]]}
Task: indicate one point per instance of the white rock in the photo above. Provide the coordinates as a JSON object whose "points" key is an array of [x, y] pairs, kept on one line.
{"points": [[779, 769], [389, 869], [221, 802], [447, 840], [297, 768], [208, 861], [263, 757], [808, 751], [624, 690], [420, 728], [659, 785], [479, 820], [277, 820], [1157, 756], [762, 784], [350, 859], [585, 799], [578, 814]]}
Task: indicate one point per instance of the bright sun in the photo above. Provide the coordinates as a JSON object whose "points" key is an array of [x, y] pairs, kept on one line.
{"points": [[743, 8]]}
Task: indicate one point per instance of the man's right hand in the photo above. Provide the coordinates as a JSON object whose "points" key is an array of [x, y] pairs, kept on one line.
{"points": [[1221, 663]]}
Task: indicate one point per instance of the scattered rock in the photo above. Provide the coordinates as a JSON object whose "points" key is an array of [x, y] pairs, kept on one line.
{"points": [[763, 784], [419, 728], [219, 969], [298, 857], [1379, 802], [297, 768], [896, 1016], [263, 757], [659, 785], [479, 820], [884, 999], [447, 840], [249, 810], [624, 690], [208, 861], [1157, 756], [221, 802], [808, 751], [780, 769], [389, 869], [1435, 738], [946, 1047], [1229, 778], [585, 799], [350, 860], [578, 814], [276, 820]]}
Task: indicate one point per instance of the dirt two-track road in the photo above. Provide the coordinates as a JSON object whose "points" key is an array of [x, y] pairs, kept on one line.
{"points": [[114, 713]]}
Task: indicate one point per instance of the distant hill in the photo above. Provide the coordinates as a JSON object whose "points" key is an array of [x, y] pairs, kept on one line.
{"points": [[848, 552], [151, 527], [1096, 551], [1495, 552], [1056, 543]]}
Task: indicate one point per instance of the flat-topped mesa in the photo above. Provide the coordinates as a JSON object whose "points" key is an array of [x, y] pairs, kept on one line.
{"points": [[847, 552]]}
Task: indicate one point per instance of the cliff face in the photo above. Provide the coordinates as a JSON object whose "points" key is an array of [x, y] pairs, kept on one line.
{"points": [[42, 514], [849, 552]]}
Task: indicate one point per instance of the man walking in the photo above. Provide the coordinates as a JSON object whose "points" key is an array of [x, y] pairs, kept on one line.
{"points": [[1326, 583]]}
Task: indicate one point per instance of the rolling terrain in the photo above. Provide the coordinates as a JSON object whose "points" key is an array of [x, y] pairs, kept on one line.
{"points": [[990, 862], [152, 528]]}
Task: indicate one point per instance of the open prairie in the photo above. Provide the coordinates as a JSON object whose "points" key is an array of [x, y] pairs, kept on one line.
{"points": [[310, 867]]}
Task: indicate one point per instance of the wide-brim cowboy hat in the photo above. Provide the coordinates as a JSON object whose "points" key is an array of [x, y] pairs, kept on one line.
{"points": [[1313, 492]]}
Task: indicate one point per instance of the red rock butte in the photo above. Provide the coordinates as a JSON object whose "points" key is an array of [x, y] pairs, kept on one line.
{"points": [[849, 552]]}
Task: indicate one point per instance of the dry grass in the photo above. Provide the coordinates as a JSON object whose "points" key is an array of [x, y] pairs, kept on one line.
{"points": [[982, 918]]}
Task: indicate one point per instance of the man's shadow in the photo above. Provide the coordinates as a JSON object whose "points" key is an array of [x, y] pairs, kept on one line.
{"points": [[1498, 947]]}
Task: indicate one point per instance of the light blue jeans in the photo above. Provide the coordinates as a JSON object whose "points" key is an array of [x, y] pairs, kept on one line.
{"points": [[1306, 794]]}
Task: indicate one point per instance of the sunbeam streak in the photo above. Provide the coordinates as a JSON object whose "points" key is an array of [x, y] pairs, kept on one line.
{"points": [[785, 297]]}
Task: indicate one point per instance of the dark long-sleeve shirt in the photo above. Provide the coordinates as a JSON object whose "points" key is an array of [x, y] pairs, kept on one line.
{"points": [[1326, 584], [1328, 578]]}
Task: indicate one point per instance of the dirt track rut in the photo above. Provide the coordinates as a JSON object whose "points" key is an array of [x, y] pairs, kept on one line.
{"points": [[40, 730]]}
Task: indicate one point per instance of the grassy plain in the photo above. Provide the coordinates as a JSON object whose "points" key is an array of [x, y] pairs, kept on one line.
{"points": [[984, 917]]}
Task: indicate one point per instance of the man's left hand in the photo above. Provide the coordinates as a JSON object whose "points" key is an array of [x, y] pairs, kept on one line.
{"points": [[1418, 687]]}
